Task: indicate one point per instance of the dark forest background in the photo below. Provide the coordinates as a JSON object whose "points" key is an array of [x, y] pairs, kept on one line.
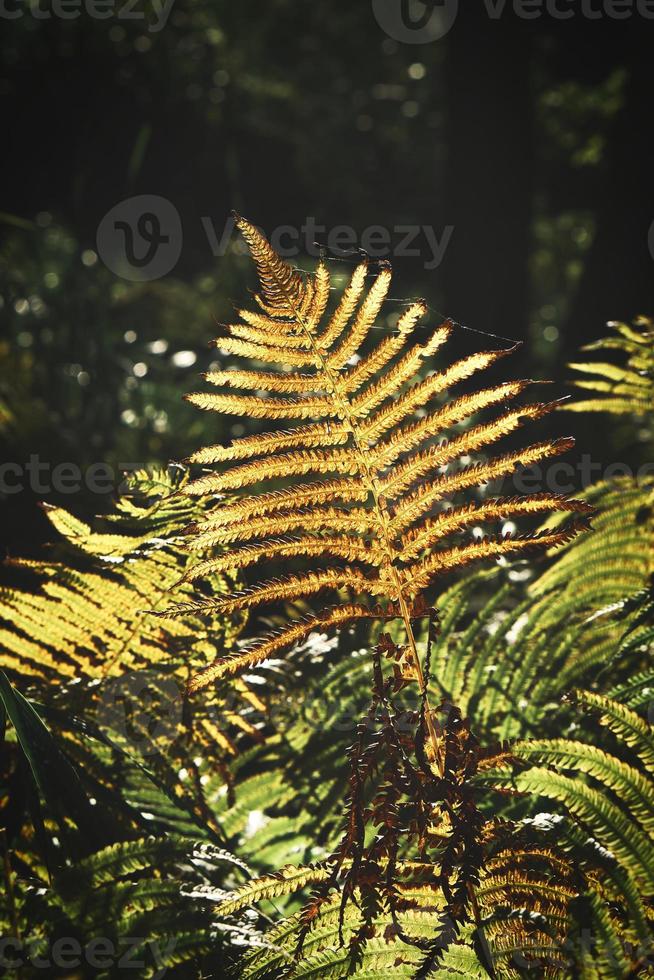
{"points": [[531, 138]]}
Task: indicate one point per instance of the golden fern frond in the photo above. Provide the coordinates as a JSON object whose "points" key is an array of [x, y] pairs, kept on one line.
{"points": [[262, 352], [419, 502], [266, 408], [259, 336], [371, 405], [627, 390], [417, 466], [355, 520], [281, 384], [276, 467], [284, 291], [318, 434], [286, 590], [346, 307], [457, 518], [336, 358], [397, 376], [338, 546], [418, 576], [474, 438], [302, 495], [371, 364], [418, 395], [279, 641]]}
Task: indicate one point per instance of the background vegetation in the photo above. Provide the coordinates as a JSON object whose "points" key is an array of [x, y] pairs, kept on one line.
{"points": [[529, 137], [128, 809]]}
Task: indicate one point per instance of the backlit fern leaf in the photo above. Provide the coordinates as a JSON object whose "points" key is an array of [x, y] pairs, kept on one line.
{"points": [[621, 390], [524, 895], [609, 824], [622, 524], [147, 898], [377, 475], [88, 622], [76, 632], [285, 882], [588, 609], [384, 953]]}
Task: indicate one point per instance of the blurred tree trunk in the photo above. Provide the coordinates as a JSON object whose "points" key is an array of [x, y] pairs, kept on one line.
{"points": [[618, 277], [488, 190]]}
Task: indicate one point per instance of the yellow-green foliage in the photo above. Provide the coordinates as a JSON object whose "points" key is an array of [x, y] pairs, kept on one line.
{"points": [[606, 806], [622, 389], [579, 617], [75, 624], [90, 621]]}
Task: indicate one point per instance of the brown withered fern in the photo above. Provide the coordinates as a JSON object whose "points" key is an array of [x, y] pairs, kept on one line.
{"points": [[379, 497], [435, 819], [364, 491]]}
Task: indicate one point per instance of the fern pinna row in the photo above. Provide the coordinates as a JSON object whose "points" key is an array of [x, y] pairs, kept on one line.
{"points": [[621, 389], [381, 455], [380, 450]]}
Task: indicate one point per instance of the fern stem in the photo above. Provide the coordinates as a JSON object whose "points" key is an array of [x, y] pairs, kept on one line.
{"points": [[380, 514]]}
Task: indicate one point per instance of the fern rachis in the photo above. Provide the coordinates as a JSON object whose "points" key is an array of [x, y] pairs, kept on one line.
{"points": [[373, 512]]}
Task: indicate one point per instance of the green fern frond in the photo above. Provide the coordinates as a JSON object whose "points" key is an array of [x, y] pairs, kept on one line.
{"points": [[91, 624], [608, 808], [627, 390]]}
